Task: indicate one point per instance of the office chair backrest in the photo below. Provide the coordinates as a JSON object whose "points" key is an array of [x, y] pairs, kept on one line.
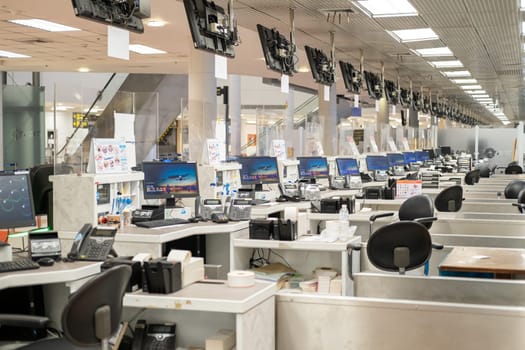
{"points": [[93, 312], [449, 199], [417, 207], [472, 177], [513, 169], [513, 188], [484, 171], [401, 246], [521, 201]]}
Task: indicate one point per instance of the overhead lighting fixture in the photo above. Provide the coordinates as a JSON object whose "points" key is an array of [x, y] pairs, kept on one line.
{"points": [[471, 87], [9, 54], [464, 81], [485, 101], [434, 52], [456, 73], [479, 97], [412, 35], [386, 8], [303, 69], [475, 92], [446, 64], [43, 25], [145, 50], [155, 23], [83, 69]]}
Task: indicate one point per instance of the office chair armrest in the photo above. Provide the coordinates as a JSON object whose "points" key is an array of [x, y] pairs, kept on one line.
{"points": [[519, 205], [424, 220], [377, 216], [437, 246], [26, 321]]}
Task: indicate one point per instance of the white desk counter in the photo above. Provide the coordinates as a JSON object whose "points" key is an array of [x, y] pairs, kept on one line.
{"points": [[196, 306]]}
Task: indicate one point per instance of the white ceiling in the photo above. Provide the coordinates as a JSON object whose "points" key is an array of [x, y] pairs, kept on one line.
{"points": [[483, 34]]}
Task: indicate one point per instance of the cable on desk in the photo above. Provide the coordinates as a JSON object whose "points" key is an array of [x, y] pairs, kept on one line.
{"points": [[271, 251]]}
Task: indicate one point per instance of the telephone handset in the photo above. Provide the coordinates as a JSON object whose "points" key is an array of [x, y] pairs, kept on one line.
{"points": [[92, 243]]}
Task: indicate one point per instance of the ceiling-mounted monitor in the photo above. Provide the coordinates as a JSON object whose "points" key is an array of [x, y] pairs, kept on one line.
{"points": [[426, 105], [391, 92], [351, 77], [279, 52], [417, 99], [212, 29], [405, 98], [374, 85], [125, 14], [322, 68]]}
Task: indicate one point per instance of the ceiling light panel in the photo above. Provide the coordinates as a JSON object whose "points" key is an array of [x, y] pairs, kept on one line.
{"points": [[446, 64], [456, 73], [386, 8], [471, 87], [412, 35], [475, 92], [434, 52], [9, 54], [145, 50], [43, 25], [480, 97], [464, 81]]}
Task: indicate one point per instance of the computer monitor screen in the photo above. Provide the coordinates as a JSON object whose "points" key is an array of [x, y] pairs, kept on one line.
{"points": [[16, 201], [395, 159], [410, 157], [316, 167], [377, 163], [347, 166], [445, 150], [259, 170], [431, 153], [170, 180], [422, 156]]}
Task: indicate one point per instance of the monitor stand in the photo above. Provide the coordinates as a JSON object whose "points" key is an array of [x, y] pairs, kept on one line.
{"points": [[258, 188], [171, 202]]}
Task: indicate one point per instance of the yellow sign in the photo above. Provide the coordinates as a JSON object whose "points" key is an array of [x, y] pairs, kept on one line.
{"points": [[79, 120]]}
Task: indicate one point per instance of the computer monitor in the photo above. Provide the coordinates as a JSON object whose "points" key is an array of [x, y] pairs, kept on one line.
{"points": [[377, 163], [313, 167], [445, 150], [279, 52], [422, 156], [410, 157], [258, 171], [395, 159], [347, 166], [431, 153], [16, 201], [322, 68], [170, 180]]}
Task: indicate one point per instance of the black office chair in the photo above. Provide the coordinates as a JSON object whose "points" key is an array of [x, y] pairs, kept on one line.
{"points": [[401, 246], [520, 203], [513, 169], [450, 199], [42, 190], [484, 171], [472, 177], [418, 208], [91, 316], [513, 188]]}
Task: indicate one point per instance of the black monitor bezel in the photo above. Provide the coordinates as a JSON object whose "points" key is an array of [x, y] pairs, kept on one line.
{"points": [[337, 160], [27, 222], [271, 40], [310, 176], [349, 74], [168, 195], [316, 57], [241, 161]]}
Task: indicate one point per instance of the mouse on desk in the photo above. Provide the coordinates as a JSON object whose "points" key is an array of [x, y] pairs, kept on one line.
{"points": [[46, 261]]}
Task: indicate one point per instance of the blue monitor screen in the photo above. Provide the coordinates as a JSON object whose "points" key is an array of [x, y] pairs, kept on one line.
{"points": [[16, 201], [170, 180], [410, 157], [313, 167], [347, 166], [422, 156], [377, 163], [396, 159], [259, 170]]}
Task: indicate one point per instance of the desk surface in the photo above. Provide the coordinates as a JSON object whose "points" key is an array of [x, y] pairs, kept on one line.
{"points": [[494, 260], [213, 296], [60, 272]]}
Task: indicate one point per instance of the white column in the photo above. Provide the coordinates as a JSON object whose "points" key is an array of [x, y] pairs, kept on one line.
{"points": [[290, 135], [328, 117], [382, 121], [202, 102], [520, 144], [235, 115], [476, 143]]}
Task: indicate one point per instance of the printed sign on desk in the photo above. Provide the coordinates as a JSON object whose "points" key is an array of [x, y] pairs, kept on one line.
{"points": [[108, 156], [214, 151], [408, 188], [279, 149]]}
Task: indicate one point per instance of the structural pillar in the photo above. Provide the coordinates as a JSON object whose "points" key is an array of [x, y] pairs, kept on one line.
{"points": [[202, 102], [235, 115], [328, 117], [520, 143], [382, 122], [289, 122]]}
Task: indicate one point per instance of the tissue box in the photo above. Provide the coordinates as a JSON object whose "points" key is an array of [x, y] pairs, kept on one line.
{"points": [[224, 339], [192, 271]]}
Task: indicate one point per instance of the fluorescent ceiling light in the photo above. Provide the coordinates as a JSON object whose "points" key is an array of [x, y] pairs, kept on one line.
{"points": [[479, 97], [446, 64], [9, 54], [471, 87], [434, 52], [155, 23], [411, 35], [145, 50], [386, 8], [303, 69], [464, 81], [475, 92], [486, 101], [456, 73], [83, 69], [43, 25]]}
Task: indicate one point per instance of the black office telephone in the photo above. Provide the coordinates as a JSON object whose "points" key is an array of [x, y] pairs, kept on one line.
{"points": [[92, 243], [365, 177], [153, 336]]}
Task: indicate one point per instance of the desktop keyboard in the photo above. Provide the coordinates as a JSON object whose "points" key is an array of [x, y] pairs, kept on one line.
{"points": [[18, 265], [161, 223]]}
